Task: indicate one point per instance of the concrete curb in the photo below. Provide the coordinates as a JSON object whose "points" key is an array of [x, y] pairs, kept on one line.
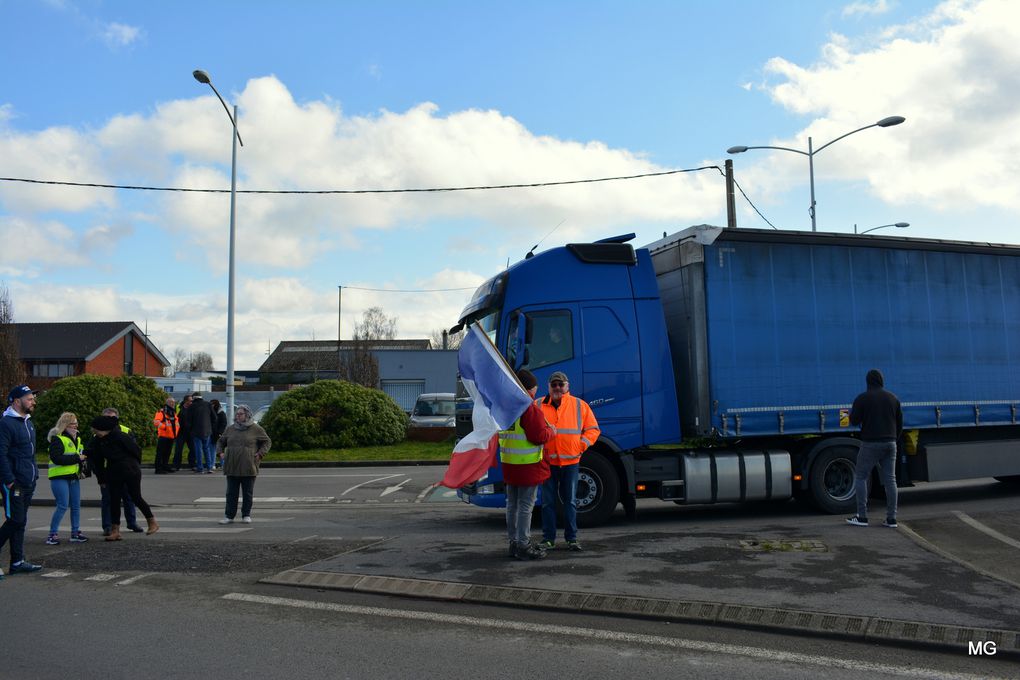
{"points": [[786, 621]]}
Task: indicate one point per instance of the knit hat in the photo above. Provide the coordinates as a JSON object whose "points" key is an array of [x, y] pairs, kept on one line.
{"points": [[527, 378]]}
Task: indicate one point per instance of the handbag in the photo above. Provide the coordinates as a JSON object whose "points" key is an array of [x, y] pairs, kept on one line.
{"points": [[84, 469]]}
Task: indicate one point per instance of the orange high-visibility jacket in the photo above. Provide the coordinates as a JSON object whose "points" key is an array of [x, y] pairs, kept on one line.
{"points": [[576, 429], [166, 427]]}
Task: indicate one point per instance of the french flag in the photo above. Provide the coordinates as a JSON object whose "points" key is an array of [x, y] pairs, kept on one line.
{"points": [[499, 400]]}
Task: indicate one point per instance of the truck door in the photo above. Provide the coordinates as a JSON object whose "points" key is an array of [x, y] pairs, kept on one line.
{"points": [[551, 339], [612, 369]]}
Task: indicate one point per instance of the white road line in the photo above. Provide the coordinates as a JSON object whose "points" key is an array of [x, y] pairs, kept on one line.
{"points": [[304, 538], [134, 579], [985, 529], [55, 574], [425, 492], [608, 636], [272, 499], [102, 577], [263, 475], [377, 479], [203, 530]]}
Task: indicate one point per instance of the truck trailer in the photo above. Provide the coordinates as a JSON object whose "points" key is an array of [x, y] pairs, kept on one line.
{"points": [[721, 363]]}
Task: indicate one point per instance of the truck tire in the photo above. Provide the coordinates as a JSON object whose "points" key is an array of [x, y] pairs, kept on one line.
{"points": [[832, 480], [598, 489]]}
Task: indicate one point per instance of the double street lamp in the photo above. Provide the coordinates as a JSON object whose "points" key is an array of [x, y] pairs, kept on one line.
{"points": [[203, 77], [810, 153]]}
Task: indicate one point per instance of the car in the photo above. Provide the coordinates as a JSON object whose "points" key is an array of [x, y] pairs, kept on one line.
{"points": [[260, 413], [434, 409]]}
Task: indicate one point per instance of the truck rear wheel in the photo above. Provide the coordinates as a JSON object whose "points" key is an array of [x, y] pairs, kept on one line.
{"points": [[832, 480], [598, 489]]}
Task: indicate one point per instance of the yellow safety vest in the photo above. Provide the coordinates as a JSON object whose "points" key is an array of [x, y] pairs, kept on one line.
{"points": [[515, 449], [63, 470]]}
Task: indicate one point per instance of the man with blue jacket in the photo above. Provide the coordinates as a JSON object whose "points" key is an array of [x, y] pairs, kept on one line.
{"points": [[18, 473]]}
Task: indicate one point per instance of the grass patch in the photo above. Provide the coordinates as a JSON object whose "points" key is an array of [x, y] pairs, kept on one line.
{"points": [[406, 450]]}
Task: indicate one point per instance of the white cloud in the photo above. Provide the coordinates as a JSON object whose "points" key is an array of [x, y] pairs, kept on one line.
{"points": [[955, 76], [873, 8], [117, 35]]}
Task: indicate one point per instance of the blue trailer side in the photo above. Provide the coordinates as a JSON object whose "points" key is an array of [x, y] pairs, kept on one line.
{"points": [[754, 342]]}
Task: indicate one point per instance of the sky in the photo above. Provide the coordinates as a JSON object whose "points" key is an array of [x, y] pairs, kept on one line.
{"points": [[407, 94]]}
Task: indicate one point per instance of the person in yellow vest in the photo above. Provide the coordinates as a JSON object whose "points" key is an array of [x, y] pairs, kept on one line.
{"points": [[524, 468], [65, 464], [576, 430]]}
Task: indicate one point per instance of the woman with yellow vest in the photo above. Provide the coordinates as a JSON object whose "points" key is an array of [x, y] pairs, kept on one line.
{"points": [[65, 464], [524, 468]]}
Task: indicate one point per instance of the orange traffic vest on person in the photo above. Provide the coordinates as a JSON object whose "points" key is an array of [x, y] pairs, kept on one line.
{"points": [[576, 429], [166, 427]]}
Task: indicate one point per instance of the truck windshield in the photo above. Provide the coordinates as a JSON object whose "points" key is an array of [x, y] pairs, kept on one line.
{"points": [[488, 319]]}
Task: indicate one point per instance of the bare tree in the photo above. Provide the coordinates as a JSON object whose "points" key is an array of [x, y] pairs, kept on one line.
{"points": [[191, 361], [12, 371], [375, 325], [359, 365], [453, 340]]}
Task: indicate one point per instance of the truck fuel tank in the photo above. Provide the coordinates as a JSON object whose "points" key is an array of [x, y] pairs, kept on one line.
{"points": [[711, 476]]}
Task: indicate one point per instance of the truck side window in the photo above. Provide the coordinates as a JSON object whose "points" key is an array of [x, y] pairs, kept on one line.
{"points": [[552, 339]]}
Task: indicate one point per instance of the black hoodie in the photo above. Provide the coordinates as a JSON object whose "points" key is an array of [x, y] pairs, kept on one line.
{"points": [[877, 411]]}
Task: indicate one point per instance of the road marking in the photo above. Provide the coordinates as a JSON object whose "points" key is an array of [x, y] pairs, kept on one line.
{"points": [[985, 529], [549, 631], [425, 492], [377, 479], [102, 577], [391, 489], [203, 530], [134, 579], [261, 475], [272, 499], [55, 574], [304, 538]]}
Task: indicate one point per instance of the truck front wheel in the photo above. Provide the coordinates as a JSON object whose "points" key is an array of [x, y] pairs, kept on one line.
{"points": [[832, 480], [598, 489]]}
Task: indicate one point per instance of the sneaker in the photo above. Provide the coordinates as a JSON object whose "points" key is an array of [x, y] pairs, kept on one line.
{"points": [[226, 520], [547, 544], [23, 567], [890, 522], [530, 552], [135, 528], [857, 521], [79, 537], [52, 540], [575, 546], [511, 549], [246, 520]]}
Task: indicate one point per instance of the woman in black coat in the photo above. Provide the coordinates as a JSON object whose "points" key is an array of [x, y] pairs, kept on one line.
{"points": [[116, 459]]}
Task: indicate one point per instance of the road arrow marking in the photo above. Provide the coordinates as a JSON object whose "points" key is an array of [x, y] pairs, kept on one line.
{"points": [[391, 489]]}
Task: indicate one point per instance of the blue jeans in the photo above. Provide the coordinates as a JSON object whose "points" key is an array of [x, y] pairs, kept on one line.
{"points": [[66, 492], [562, 485], [15, 502], [205, 454], [130, 516], [244, 485], [871, 454], [520, 502]]}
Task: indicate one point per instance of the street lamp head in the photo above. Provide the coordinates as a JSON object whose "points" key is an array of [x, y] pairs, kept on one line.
{"points": [[902, 225], [890, 121], [202, 77], [736, 149]]}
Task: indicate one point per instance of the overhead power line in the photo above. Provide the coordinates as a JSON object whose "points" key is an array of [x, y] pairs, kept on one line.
{"points": [[360, 191]]}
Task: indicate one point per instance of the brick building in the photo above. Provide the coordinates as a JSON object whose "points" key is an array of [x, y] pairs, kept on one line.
{"points": [[50, 351]]}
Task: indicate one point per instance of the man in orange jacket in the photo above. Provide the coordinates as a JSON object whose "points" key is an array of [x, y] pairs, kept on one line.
{"points": [[576, 430]]}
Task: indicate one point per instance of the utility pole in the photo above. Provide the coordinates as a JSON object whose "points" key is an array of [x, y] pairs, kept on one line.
{"points": [[339, 314], [731, 205]]}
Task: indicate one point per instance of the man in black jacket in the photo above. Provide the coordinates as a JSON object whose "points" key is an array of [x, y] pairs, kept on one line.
{"points": [[18, 474], [880, 416]]}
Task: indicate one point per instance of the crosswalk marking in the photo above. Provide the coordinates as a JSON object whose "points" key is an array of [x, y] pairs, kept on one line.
{"points": [[55, 574], [102, 577]]}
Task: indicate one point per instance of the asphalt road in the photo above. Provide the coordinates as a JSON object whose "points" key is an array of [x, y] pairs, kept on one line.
{"points": [[189, 603]]}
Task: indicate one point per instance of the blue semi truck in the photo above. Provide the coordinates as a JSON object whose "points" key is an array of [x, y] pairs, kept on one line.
{"points": [[721, 363]]}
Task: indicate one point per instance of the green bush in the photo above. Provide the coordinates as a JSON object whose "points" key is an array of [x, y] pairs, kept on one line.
{"points": [[135, 397], [334, 414]]}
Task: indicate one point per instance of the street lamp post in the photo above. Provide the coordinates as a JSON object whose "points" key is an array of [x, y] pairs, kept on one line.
{"points": [[203, 77], [810, 153], [898, 225]]}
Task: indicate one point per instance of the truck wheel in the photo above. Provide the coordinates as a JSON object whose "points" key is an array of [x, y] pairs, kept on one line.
{"points": [[598, 489], [832, 480]]}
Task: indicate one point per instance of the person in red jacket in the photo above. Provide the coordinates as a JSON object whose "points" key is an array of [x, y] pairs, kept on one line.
{"points": [[524, 468]]}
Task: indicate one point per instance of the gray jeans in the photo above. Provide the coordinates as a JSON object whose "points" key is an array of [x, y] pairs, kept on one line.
{"points": [[520, 502], [871, 454]]}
